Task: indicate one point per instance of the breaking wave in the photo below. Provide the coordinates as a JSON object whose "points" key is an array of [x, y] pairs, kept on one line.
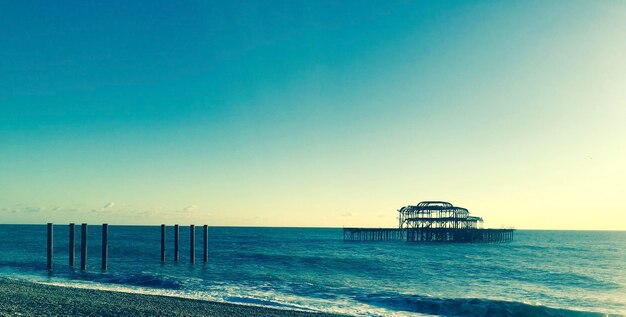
{"points": [[474, 307]]}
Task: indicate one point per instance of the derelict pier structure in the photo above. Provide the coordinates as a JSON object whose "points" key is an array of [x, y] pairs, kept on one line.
{"points": [[433, 221]]}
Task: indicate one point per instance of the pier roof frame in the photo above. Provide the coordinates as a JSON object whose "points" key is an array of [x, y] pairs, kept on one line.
{"points": [[433, 206], [434, 214]]}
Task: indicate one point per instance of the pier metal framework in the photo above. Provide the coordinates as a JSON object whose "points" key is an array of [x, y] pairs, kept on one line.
{"points": [[433, 221], [437, 214]]}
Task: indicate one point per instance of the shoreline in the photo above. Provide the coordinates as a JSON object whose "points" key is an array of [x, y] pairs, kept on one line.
{"points": [[24, 298]]}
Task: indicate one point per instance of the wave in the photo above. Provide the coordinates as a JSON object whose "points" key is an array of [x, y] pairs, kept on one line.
{"points": [[32, 271], [474, 307], [376, 304], [142, 280], [347, 263], [261, 302], [23, 265]]}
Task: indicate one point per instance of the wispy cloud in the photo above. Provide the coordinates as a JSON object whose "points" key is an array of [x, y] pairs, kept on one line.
{"points": [[190, 208], [20, 208], [12, 210], [107, 207], [34, 209]]}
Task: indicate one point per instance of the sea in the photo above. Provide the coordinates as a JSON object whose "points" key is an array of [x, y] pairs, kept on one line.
{"points": [[539, 273]]}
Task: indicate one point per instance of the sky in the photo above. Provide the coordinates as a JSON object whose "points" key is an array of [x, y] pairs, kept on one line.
{"points": [[313, 113]]}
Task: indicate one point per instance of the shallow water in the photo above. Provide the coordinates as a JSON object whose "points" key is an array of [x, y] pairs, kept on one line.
{"points": [[313, 269]]}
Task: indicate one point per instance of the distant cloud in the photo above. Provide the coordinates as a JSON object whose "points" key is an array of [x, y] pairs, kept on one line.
{"points": [[14, 210], [22, 208], [17, 210], [34, 209], [108, 207], [143, 214], [347, 214], [190, 208]]}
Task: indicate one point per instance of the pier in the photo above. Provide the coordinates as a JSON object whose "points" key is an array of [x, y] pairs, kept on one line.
{"points": [[373, 234], [432, 221], [429, 235]]}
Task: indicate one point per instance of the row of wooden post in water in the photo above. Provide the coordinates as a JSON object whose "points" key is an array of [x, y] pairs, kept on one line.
{"points": [[105, 245]]}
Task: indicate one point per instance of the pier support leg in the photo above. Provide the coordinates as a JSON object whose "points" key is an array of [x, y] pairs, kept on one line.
{"points": [[105, 246], [50, 246], [162, 243], [206, 244], [72, 245], [192, 243], [83, 247], [176, 242]]}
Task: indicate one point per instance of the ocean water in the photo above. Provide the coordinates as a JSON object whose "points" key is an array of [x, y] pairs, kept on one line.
{"points": [[540, 273]]}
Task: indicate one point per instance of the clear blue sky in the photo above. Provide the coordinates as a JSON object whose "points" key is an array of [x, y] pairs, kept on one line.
{"points": [[312, 113]]}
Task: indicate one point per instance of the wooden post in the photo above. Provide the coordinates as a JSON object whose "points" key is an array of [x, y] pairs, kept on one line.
{"points": [[83, 247], [206, 244], [162, 243], [192, 242], [72, 245], [50, 244], [176, 242], [105, 245]]}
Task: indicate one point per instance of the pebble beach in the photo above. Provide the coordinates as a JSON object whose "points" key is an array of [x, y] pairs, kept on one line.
{"points": [[21, 298]]}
